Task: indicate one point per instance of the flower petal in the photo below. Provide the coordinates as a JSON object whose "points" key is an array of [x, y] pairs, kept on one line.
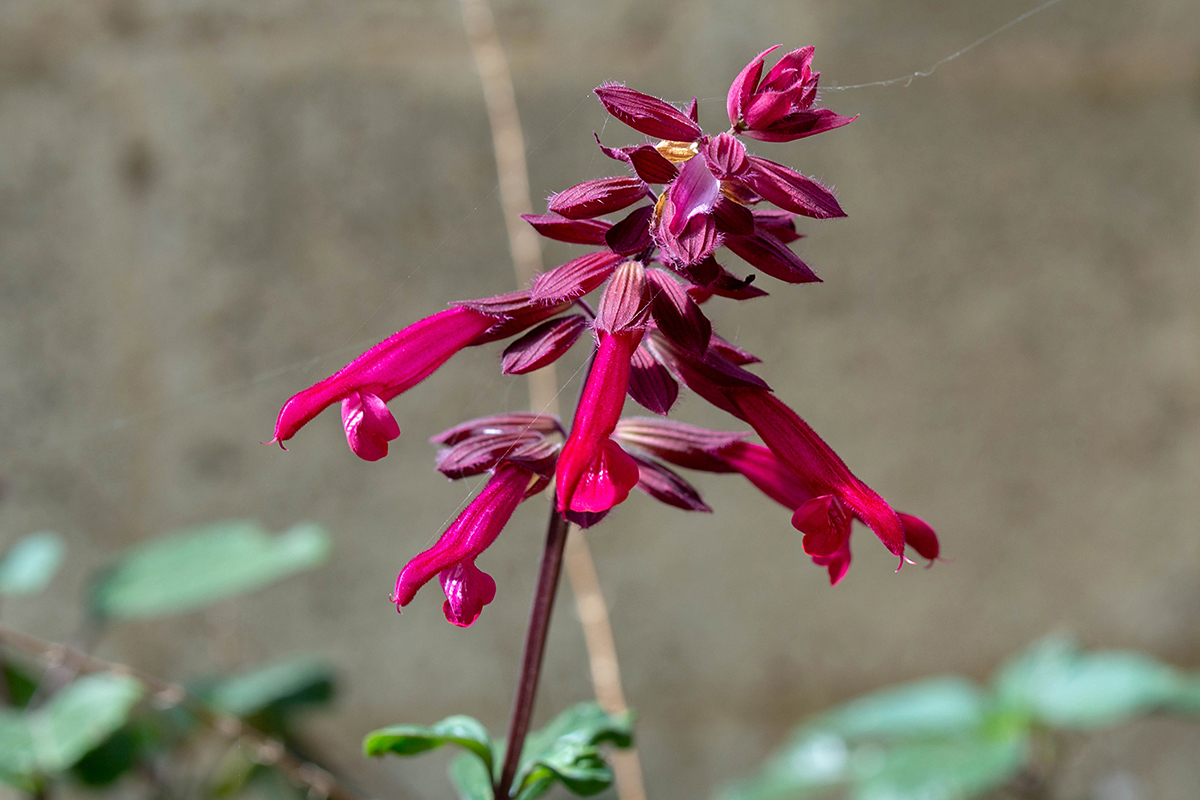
{"points": [[679, 443], [837, 563], [649, 164], [543, 345], [598, 197], [631, 235], [694, 192], [744, 84], [625, 304], [667, 487], [468, 589], [369, 425], [825, 524], [573, 231], [920, 537], [725, 155], [800, 124], [469, 535], [647, 114], [772, 257], [575, 278], [393, 366], [510, 422], [790, 190], [769, 475], [606, 481], [599, 408], [676, 314], [818, 466], [650, 383]]}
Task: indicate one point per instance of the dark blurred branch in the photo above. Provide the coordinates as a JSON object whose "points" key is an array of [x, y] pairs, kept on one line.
{"points": [[267, 750]]}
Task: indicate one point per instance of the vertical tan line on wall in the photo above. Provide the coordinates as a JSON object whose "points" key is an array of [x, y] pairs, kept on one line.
{"points": [[509, 144]]}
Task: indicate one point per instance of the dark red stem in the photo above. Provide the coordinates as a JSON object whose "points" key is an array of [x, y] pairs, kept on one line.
{"points": [[535, 648]]}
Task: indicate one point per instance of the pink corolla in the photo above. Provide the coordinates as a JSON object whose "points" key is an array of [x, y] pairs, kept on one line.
{"points": [[710, 180], [824, 520], [388, 369], [468, 589], [780, 107], [594, 473]]}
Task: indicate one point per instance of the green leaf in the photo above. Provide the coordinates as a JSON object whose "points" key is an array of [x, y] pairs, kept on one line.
{"points": [[950, 770], [109, 760], [566, 750], [409, 740], [20, 681], [284, 684], [16, 747], [471, 778], [201, 566], [80, 717], [939, 706], [1188, 698], [1060, 686], [812, 763], [30, 563]]}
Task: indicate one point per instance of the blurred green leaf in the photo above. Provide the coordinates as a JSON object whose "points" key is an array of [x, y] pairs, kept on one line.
{"points": [[199, 567], [939, 706], [812, 763], [1060, 686], [566, 750], [949, 770], [16, 747], [471, 778], [1188, 698], [109, 760], [289, 683], [20, 682], [79, 717], [30, 563], [409, 740], [232, 773]]}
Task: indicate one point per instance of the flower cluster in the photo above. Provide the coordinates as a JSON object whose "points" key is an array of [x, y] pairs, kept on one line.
{"points": [[685, 195]]}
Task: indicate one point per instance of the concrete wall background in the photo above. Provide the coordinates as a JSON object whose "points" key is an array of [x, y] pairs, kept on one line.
{"points": [[207, 205]]}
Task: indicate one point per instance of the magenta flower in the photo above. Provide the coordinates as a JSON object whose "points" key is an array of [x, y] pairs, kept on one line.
{"points": [[468, 589], [594, 473], [388, 369], [824, 520], [705, 202], [687, 194], [779, 109]]}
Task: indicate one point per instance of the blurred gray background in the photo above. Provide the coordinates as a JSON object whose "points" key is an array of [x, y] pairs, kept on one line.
{"points": [[206, 205]]}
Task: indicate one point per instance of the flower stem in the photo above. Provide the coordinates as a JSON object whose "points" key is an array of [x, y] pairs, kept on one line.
{"points": [[535, 648]]}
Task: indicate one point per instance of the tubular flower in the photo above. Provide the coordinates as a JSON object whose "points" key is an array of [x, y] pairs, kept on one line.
{"points": [[824, 520], [817, 467], [710, 180], [779, 109], [594, 473], [654, 233], [403, 360], [468, 589]]}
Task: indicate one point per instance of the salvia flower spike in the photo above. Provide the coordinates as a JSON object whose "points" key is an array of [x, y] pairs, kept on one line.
{"points": [[653, 232]]}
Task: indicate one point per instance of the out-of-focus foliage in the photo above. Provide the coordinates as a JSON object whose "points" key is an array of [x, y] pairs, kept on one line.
{"points": [[195, 568], [566, 751], [30, 563], [949, 739], [94, 728]]}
